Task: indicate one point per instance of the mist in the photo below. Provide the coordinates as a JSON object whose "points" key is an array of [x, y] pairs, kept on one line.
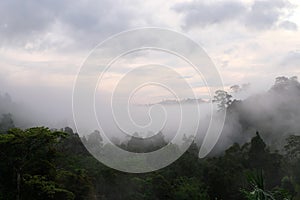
{"points": [[275, 113]]}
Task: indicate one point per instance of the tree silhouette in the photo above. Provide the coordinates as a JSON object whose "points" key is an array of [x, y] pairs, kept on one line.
{"points": [[223, 99]]}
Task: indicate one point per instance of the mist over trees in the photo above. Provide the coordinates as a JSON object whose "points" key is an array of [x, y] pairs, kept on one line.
{"points": [[22, 116], [275, 113], [257, 157]]}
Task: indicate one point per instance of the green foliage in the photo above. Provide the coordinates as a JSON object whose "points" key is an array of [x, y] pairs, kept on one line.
{"points": [[280, 193], [77, 182], [39, 188], [257, 186], [257, 189], [55, 165], [25, 153], [190, 189]]}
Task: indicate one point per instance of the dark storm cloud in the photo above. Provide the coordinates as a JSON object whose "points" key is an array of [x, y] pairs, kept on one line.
{"points": [[258, 15], [81, 21]]}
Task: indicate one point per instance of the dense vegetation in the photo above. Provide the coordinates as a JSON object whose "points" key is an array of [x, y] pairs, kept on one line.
{"points": [[40, 164]]}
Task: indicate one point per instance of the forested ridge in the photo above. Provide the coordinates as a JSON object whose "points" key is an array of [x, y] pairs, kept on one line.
{"points": [[42, 163]]}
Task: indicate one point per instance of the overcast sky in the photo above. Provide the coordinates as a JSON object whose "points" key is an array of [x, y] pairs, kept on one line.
{"points": [[43, 43]]}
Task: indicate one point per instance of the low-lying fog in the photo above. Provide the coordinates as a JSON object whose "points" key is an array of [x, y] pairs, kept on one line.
{"points": [[275, 113]]}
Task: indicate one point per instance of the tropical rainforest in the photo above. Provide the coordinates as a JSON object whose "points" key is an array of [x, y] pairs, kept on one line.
{"points": [[260, 161]]}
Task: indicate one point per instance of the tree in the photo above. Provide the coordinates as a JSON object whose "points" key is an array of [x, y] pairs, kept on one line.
{"points": [[6, 123], [235, 88], [223, 99], [94, 142], [292, 148], [37, 187], [283, 83], [142, 145], [257, 152], [260, 158], [190, 188], [25, 153]]}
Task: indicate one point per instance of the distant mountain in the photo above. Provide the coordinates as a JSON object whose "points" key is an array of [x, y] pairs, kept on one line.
{"points": [[180, 102]]}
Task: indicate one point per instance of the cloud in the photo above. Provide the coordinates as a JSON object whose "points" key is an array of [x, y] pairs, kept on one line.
{"points": [[265, 14], [22, 20], [259, 15], [82, 22], [76, 25], [288, 25], [198, 13], [44, 42], [93, 21], [291, 60]]}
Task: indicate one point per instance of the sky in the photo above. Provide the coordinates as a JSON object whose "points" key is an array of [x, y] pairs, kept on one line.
{"points": [[44, 43]]}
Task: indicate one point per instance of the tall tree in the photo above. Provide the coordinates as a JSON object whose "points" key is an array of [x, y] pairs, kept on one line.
{"points": [[223, 99], [27, 156]]}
